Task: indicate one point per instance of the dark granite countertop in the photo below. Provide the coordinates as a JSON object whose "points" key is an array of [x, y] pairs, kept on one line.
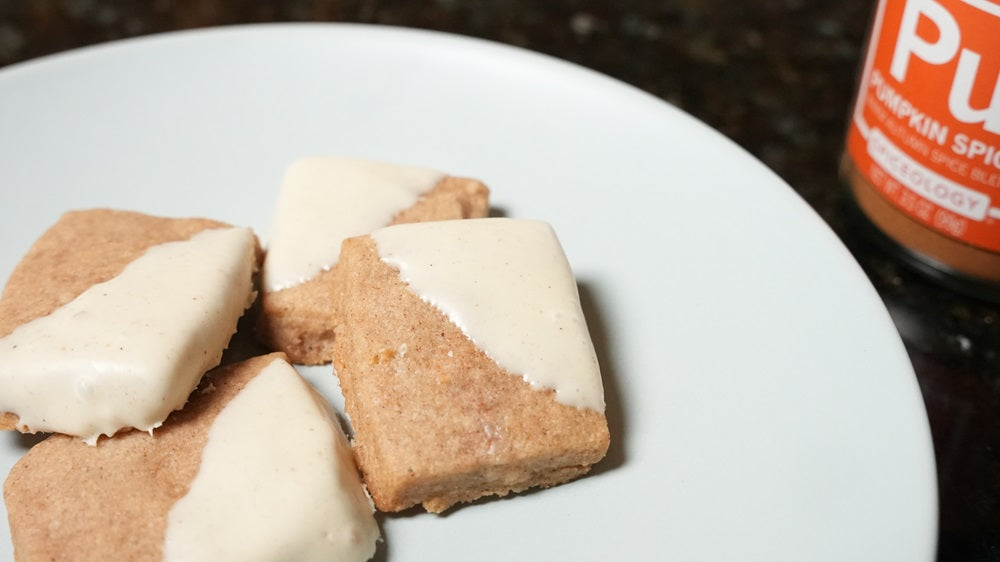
{"points": [[775, 76]]}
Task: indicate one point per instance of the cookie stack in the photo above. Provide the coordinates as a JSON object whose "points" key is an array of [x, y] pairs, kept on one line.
{"points": [[459, 342]]}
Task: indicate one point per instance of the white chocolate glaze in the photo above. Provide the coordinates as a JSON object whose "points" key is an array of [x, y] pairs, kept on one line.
{"points": [[324, 200], [507, 284], [127, 352], [276, 482]]}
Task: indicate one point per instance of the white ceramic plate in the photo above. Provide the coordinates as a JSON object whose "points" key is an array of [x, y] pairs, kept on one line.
{"points": [[761, 404]]}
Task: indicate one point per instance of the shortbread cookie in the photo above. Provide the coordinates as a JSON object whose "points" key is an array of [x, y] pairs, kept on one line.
{"points": [[112, 317], [253, 468], [465, 362], [322, 201]]}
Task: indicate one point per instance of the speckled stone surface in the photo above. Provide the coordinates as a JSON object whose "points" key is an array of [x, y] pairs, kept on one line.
{"points": [[777, 77]]}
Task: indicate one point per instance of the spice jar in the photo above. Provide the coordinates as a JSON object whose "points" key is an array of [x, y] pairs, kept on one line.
{"points": [[922, 156]]}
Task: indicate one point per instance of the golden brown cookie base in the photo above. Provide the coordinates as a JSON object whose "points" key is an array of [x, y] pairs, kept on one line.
{"points": [[436, 421], [70, 501], [299, 320], [82, 249]]}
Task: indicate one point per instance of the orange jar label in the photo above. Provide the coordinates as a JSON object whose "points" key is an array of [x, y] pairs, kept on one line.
{"points": [[925, 130]]}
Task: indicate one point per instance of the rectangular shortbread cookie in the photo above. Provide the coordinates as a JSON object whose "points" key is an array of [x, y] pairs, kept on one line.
{"points": [[436, 420]]}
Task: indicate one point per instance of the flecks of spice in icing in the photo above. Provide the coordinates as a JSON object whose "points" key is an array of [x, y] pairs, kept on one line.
{"points": [[276, 482], [507, 285], [127, 352]]}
